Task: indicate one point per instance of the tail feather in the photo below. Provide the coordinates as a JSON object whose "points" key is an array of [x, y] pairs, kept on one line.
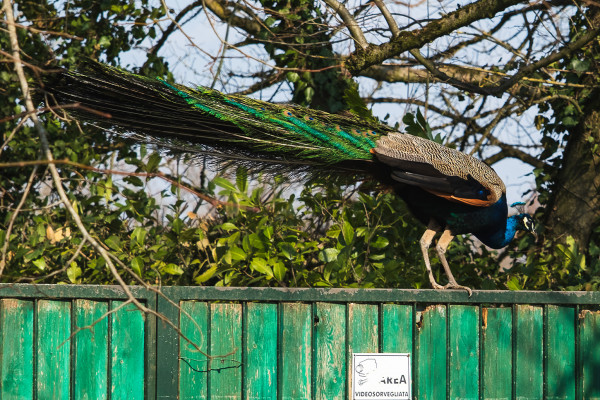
{"points": [[207, 121]]}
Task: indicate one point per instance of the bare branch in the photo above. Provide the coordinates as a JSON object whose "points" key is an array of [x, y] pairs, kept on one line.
{"points": [[376, 54], [388, 17], [350, 23]]}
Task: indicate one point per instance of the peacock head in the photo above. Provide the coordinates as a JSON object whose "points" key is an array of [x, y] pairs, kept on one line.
{"points": [[524, 221]]}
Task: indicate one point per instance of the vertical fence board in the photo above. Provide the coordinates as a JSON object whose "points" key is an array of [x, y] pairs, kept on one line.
{"points": [[127, 353], [529, 358], [560, 379], [431, 353], [53, 349], [193, 365], [497, 353], [261, 352], [363, 332], [397, 328], [296, 349], [226, 348], [91, 350], [16, 349], [330, 342], [464, 352], [364, 328], [590, 353]]}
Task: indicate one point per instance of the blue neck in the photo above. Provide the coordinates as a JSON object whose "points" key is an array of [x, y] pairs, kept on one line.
{"points": [[502, 237]]}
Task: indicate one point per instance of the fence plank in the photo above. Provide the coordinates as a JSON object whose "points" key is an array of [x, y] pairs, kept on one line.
{"points": [[225, 372], [261, 351], [590, 354], [193, 365], [497, 353], [296, 349], [561, 353], [529, 358], [330, 342], [127, 353], [53, 349], [431, 353], [364, 328], [91, 350], [397, 325], [464, 352], [16, 349]]}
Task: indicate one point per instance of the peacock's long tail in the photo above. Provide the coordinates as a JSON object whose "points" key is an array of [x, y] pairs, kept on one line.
{"points": [[205, 120]]}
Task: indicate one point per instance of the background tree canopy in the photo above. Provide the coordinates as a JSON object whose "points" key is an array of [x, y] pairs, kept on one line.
{"points": [[499, 79]]}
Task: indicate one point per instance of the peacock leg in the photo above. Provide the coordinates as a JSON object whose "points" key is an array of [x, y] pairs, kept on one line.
{"points": [[425, 242], [441, 247]]}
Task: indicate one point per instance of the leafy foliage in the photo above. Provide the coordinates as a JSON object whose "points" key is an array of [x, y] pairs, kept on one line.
{"points": [[321, 235]]}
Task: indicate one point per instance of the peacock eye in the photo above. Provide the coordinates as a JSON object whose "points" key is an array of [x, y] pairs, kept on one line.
{"points": [[528, 224]]}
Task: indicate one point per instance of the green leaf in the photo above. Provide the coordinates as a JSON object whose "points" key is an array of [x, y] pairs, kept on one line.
{"points": [[153, 161], [114, 242], [241, 179], [380, 243], [172, 269], [333, 232], [206, 275], [255, 242], [292, 77], [513, 284], [138, 236], [177, 225], [40, 263], [224, 183], [287, 250], [328, 255], [237, 254], [279, 271], [347, 232], [74, 272], [260, 265], [137, 265], [228, 226], [268, 232], [308, 94], [580, 65]]}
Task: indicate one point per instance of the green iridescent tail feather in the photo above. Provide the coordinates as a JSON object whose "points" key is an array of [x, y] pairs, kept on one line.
{"points": [[205, 120]]}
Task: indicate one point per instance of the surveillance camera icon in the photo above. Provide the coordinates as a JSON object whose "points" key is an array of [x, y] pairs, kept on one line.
{"points": [[365, 368]]}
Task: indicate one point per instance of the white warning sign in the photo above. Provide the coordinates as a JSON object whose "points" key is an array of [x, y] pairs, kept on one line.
{"points": [[381, 376]]}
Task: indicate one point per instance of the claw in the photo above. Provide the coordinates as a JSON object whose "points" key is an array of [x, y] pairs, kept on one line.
{"points": [[454, 285]]}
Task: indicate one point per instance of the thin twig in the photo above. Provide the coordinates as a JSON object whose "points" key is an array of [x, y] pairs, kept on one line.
{"points": [[212, 201], [13, 218]]}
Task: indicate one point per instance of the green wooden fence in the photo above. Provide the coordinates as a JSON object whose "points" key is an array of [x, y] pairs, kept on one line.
{"points": [[263, 343]]}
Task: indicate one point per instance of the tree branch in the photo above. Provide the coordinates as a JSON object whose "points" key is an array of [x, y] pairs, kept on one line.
{"points": [[350, 23], [376, 54]]}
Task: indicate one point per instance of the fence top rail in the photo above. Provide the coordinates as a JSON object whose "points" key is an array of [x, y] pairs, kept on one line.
{"points": [[302, 294], [380, 295], [96, 292]]}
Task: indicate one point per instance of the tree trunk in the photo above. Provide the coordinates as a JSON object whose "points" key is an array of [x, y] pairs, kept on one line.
{"points": [[575, 206]]}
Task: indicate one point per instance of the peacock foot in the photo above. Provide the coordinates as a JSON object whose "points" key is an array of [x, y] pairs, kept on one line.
{"points": [[437, 286], [454, 285]]}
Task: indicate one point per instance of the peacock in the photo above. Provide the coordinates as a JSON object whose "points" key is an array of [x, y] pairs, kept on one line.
{"points": [[448, 191]]}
